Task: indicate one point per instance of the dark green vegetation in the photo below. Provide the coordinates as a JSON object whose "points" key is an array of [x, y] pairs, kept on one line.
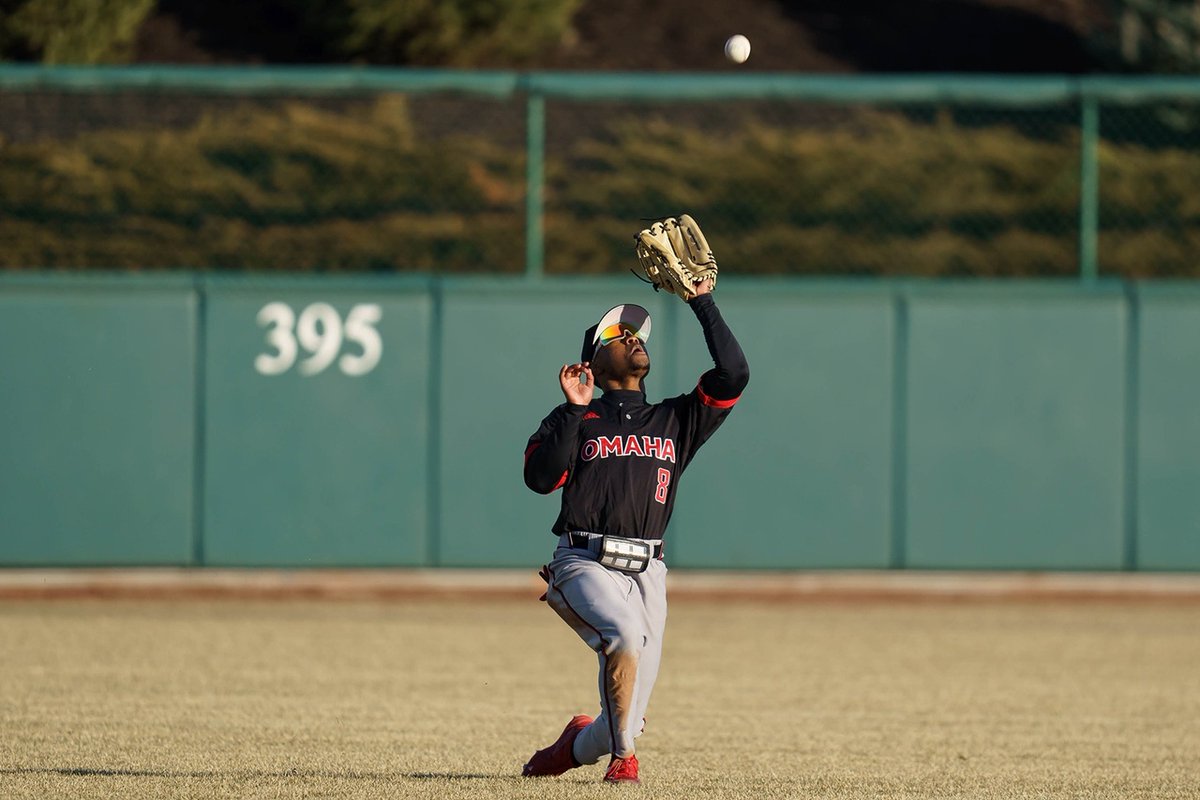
{"points": [[443, 32], [378, 184]]}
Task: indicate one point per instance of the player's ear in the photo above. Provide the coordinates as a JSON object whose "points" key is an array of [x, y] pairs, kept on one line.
{"points": [[599, 362]]}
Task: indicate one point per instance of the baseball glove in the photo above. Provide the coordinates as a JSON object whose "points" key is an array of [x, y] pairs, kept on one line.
{"points": [[674, 256]]}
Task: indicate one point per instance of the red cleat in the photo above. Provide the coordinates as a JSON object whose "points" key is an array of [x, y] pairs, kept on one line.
{"points": [[558, 758], [622, 770]]}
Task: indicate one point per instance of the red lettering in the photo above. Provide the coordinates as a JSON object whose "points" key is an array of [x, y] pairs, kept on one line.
{"points": [[664, 481], [643, 447]]}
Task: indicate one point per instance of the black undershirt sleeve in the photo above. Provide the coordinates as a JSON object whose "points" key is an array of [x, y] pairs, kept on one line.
{"points": [[728, 379], [548, 454]]}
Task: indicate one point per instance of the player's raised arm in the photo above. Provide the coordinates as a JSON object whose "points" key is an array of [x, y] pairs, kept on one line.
{"points": [[674, 256], [731, 373]]}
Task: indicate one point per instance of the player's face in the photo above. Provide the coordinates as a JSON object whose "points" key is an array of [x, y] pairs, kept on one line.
{"points": [[622, 357]]}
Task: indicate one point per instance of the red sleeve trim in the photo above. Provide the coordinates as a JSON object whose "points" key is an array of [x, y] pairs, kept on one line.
{"points": [[713, 402], [561, 481]]}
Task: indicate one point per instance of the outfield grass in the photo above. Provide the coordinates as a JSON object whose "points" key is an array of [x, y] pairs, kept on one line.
{"points": [[447, 699]]}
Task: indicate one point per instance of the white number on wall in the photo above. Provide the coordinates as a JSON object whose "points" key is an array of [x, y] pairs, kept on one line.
{"points": [[360, 329], [278, 319], [320, 332]]}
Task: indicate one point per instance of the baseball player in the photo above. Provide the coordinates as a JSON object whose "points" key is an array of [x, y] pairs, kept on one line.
{"points": [[618, 460]]}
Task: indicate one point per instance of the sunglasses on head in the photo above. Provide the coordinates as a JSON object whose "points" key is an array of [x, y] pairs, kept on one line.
{"points": [[617, 330]]}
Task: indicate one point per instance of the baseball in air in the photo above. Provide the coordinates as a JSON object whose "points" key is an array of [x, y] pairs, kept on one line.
{"points": [[737, 48]]}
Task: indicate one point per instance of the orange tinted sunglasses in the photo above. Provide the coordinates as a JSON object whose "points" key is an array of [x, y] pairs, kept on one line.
{"points": [[616, 331]]}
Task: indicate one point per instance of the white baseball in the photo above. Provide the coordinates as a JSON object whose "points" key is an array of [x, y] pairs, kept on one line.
{"points": [[737, 48]]}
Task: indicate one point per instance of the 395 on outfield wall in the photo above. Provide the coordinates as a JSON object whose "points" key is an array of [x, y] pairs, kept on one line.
{"points": [[322, 334]]}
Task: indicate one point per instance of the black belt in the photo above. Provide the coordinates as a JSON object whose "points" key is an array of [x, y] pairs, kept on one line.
{"points": [[580, 541]]}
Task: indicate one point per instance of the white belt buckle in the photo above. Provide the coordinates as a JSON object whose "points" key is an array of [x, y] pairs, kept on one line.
{"points": [[626, 555]]}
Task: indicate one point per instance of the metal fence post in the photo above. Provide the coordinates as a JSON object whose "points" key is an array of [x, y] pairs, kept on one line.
{"points": [[535, 173], [1089, 186]]}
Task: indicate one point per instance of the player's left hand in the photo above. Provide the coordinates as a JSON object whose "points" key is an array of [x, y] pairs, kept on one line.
{"points": [[674, 256], [700, 287]]}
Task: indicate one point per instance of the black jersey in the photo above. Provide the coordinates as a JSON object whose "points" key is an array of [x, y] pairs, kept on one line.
{"points": [[619, 458]]}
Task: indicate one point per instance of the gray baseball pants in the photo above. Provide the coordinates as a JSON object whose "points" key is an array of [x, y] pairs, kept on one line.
{"points": [[621, 616]]}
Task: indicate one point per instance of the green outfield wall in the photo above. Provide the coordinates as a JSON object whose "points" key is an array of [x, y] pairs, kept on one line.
{"points": [[250, 421]]}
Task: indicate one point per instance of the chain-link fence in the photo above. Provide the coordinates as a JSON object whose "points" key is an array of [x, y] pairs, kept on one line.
{"points": [[844, 189], [1149, 168], [376, 170], [365, 181]]}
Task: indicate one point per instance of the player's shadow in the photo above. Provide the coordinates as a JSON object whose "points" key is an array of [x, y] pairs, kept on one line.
{"points": [[249, 774]]}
